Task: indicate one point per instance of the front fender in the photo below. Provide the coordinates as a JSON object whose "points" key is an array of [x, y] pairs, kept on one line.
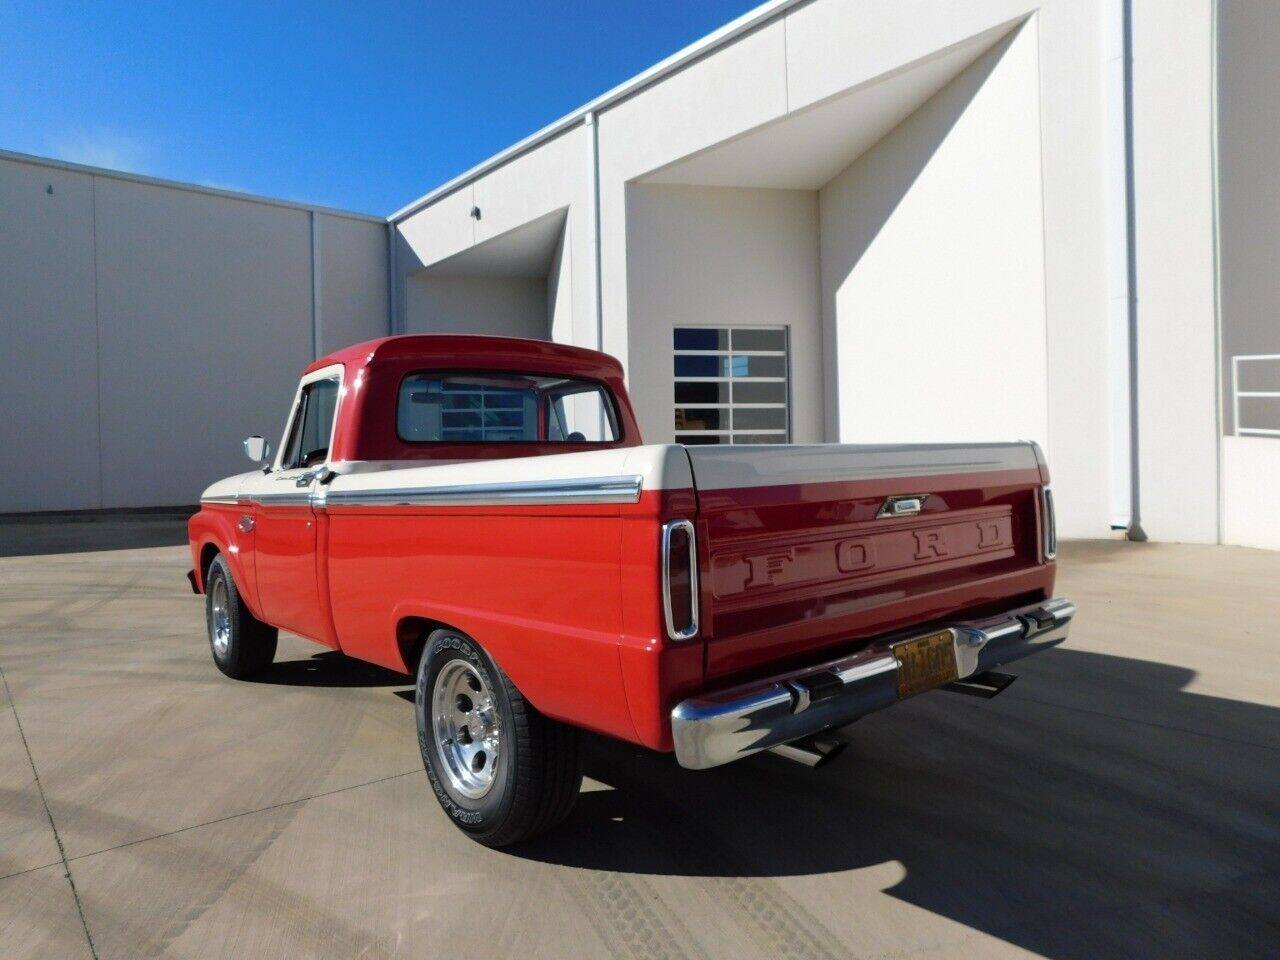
{"points": [[217, 527]]}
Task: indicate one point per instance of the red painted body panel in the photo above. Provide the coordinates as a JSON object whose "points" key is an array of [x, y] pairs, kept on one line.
{"points": [[656, 672], [567, 598], [537, 586], [792, 569], [288, 572]]}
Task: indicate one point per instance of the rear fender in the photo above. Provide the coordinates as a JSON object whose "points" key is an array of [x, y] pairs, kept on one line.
{"points": [[569, 675]]}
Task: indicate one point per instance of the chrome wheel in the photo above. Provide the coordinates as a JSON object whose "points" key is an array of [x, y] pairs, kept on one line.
{"points": [[220, 626], [467, 730]]}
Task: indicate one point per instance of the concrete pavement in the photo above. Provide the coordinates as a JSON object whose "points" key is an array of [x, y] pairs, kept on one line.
{"points": [[1121, 800]]}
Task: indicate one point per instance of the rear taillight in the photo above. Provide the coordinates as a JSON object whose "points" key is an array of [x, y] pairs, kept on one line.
{"points": [[1050, 525], [680, 580]]}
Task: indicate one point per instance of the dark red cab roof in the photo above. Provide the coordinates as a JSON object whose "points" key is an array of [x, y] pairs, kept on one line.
{"points": [[374, 369]]}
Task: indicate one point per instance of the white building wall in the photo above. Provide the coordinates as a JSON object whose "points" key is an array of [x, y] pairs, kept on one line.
{"points": [[742, 86], [353, 290], [557, 176], [721, 256], [186, 369], [1177, 375], [49, 446], [146, 329], [500, 306], [1073, 131], [933, 269], [560, 294], [1250, 501]]}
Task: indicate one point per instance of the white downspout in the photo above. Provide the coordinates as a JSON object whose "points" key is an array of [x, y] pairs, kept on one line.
{"points": [[592, 121], [1125, 488]]}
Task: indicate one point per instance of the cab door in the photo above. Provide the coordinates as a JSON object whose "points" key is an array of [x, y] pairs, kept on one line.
{"points": [[285, 523]]}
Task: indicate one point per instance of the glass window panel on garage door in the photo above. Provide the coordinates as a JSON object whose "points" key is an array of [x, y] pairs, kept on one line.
{"points": [[732, 385]]}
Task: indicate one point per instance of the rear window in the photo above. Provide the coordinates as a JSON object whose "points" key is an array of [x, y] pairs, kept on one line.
{"points": [[502, 407]]}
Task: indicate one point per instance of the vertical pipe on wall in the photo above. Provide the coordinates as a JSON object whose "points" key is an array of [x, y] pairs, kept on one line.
{"points": [[592, 121], [1122, 271], [315, 286], [1130, 193]]}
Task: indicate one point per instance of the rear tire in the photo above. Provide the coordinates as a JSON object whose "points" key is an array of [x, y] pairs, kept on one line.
{"points": [[241, 644], [501, 770]]}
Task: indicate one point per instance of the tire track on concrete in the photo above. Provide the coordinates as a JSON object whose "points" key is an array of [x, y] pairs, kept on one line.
{"points": [[693, 848], [789, 928], [621, 910]]}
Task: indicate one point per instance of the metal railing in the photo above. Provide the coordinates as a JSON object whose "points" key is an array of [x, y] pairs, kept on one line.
{"points": [[1237, 395]]}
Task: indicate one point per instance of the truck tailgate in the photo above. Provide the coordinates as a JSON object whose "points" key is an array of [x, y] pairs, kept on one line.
{"points": [[802, 549]]}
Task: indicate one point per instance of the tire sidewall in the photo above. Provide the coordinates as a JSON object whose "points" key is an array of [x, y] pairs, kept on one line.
{"points": [[487, 813], [218, 570]]}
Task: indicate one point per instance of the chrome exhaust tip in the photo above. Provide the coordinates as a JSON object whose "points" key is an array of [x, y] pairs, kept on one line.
{"points": [[812, 752]]}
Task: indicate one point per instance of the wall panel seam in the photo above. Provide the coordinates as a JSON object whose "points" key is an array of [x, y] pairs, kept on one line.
{"points": [[315, 286], [97, 335]]}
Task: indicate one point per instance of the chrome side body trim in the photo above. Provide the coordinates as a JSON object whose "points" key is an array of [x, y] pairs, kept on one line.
{"points": [[289, 498], [691, 630], [622, 489], [715, 728], [588, 490]]}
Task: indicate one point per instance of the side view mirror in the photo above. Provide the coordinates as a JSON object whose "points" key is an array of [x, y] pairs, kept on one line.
{"points": [[257, 449]]}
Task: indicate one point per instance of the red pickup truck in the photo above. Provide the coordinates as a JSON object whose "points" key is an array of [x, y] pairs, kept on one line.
{"points": [[481, 512]]}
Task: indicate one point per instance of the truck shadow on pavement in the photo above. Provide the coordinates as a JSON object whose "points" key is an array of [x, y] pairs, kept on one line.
{"points": [[331, 669], [1096, 809]]}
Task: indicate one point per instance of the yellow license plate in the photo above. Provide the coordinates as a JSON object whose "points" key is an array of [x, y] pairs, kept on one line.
{"points": [[925, 662]]}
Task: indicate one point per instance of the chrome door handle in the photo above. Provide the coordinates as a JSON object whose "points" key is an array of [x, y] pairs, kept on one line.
{"points": [[304, 480]]}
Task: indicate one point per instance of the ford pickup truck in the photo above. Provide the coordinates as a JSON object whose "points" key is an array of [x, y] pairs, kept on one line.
{"points": [[481, 512]]}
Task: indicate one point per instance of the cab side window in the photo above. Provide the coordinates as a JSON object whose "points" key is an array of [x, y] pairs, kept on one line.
{"points": [[312, 425]]}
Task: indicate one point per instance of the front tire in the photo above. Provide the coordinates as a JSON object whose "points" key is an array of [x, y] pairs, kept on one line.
{"points": [[241, 644], [501, 770]]}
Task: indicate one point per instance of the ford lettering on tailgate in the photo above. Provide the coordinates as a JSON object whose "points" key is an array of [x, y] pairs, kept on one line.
{"points": [[764, 565]]}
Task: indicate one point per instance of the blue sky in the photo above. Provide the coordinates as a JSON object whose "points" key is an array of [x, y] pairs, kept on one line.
{"points": [[362, 106]]}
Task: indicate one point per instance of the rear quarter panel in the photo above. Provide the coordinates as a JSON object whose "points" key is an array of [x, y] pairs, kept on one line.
{"points": [[563, 597], [537, 587]]}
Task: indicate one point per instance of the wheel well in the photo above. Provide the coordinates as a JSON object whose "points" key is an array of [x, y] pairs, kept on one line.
{"points": [[411, 637], [207, 554]]}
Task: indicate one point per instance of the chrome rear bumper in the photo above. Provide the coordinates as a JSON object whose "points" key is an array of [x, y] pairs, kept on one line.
{"points": [[715, 728]]}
